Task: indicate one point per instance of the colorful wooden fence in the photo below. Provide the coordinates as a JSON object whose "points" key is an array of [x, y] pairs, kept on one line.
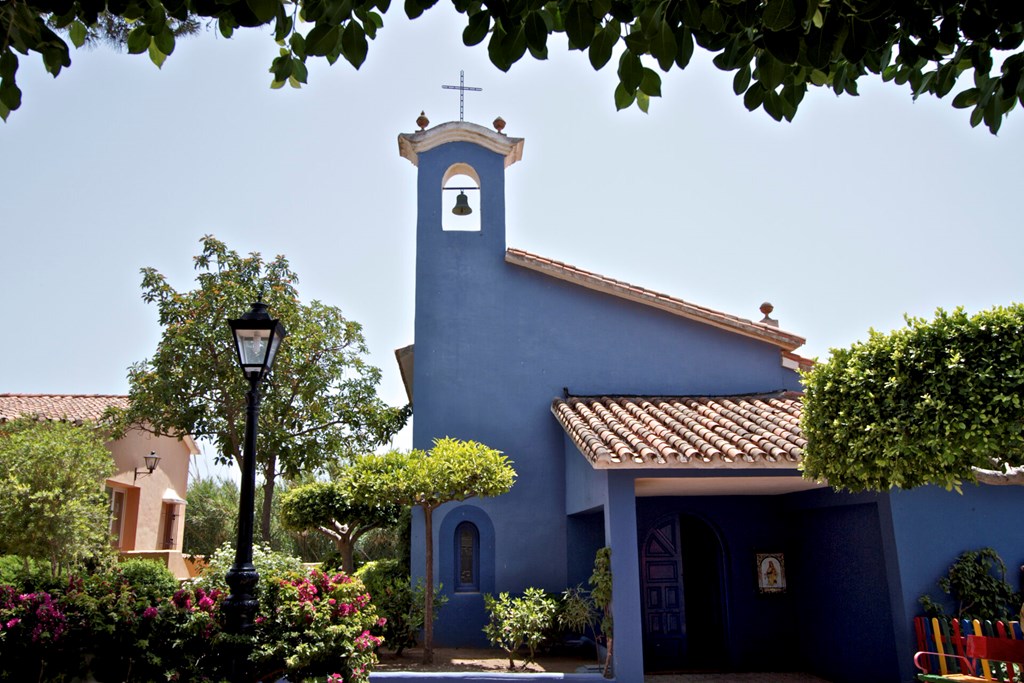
{"points": [[949, 637]]}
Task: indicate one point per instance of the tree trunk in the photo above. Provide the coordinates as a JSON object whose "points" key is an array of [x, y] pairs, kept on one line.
{"points": [[269, 479], [428, 592], [348, 562]]}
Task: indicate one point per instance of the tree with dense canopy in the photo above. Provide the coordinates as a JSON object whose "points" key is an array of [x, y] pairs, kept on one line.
{"points": [[319, 404], [452, 470], [339, 510], [777, 48], [52, 505], [937, 402]]}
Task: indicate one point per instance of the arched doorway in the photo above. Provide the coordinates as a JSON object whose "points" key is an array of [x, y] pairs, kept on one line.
{"points": [[682, 586]]}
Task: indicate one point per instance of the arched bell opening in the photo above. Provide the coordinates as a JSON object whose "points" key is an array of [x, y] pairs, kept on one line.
{"points": [[460, 205]]}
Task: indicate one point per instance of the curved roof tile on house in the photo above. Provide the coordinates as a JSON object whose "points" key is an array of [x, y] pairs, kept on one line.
{"points": [[756, 431], [69, 407]]}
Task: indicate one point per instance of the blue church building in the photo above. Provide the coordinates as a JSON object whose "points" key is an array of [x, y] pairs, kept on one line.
{"points": [[670, 433]]}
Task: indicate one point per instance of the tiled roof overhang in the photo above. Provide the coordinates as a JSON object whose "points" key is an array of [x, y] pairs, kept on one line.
{"points": [[787, 341], [709, 432], [64, 407]]}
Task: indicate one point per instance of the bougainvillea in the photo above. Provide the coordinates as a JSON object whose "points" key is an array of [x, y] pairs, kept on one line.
{"points": [[311, 625]]}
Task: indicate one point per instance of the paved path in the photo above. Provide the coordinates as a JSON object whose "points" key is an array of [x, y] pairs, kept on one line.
{"points": [[735, 678]]}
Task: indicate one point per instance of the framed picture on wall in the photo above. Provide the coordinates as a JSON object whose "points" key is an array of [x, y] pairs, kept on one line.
{"points": [[771, 572]]}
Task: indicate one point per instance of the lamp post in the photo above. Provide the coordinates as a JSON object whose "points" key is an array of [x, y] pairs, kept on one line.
{"points": [[257, 338]]}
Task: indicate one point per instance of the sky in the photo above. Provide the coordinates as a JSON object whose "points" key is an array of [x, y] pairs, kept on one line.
{"points": [[860, 211]]}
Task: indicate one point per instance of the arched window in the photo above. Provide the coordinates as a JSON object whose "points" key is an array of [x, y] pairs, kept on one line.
{"points": [[467, 558], [461, 179]]}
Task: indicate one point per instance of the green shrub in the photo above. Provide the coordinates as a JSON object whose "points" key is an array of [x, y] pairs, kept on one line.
{"points": [[977, 582], [519, 622], [400, 605]]}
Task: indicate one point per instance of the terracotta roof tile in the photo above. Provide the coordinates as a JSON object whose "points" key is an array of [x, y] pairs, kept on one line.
{"points": [[70, 407], [563, 271], [709, 431]]}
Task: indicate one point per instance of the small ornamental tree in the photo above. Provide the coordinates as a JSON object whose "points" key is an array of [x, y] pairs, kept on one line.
{"points": [[319, 403], [937, 402], [52, 505], [452, 470], [336, 510]]}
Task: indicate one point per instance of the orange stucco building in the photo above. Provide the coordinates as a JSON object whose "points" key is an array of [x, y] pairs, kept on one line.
{"points": [[147, 508]]}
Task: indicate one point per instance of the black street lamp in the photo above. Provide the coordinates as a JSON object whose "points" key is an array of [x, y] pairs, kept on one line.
{"points": [[257, 338]]}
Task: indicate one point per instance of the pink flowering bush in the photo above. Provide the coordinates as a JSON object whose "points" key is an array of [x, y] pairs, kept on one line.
{"points": [[122, 626], [317, 624]]}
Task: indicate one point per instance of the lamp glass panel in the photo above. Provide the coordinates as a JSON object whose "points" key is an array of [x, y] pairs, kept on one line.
{"points": [[252, 346]]}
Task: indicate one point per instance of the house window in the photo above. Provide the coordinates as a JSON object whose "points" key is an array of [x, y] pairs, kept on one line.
{"points": [[117, 504], [169, 526], [467, 558]]}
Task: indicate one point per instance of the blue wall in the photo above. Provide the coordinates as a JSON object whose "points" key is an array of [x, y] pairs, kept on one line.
{"points": [[495, 343], [933, 527]]}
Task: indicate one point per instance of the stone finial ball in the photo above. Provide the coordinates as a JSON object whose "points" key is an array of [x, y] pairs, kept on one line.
{"points": [[422, 121], [767, 308], [499, 124]]}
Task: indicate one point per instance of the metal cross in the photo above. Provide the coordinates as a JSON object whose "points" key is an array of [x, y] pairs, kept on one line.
{"points": [[461, 87]]}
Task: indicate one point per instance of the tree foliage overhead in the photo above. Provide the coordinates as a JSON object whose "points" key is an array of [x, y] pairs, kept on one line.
{"points": [[52, 505], [937, 402], [319, 402], [777, 48]]}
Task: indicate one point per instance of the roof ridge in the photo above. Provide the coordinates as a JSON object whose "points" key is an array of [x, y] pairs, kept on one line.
{"points": [[18, 395], [788, 341]]}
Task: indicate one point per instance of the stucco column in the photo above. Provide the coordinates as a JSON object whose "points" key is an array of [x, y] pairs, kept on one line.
{"points": [[620, 533]]}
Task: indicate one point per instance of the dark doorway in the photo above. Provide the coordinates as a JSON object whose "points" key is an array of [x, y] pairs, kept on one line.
{"points": [[683, 602]]}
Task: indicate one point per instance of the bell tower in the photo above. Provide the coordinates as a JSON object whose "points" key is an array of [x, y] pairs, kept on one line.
{"points": [[461, 275]]}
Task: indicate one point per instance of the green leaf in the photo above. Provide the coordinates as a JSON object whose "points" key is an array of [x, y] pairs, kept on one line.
{"points": [[10, 95], [322, 39], [623, 98], [713, 18], [164, 41], [477, 28], [299, 71], [138, 40], [685, 49], [77, 32], [579, 25], [155, 55], [664, 47], [281, 68], [631, 71], [8, 65], [741, 80], [276, 85], [604, 43], [263, 10], [754, 97], [650, 83], [779, 14], [353, 44], [966, 98], [536, 33], [298, 44], [643, 101]]}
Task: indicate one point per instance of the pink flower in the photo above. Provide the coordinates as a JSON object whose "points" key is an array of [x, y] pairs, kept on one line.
{"points": [[13, 622], [150, 613], [382, 621]]}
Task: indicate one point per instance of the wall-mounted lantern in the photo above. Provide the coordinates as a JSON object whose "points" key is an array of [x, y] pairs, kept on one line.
{"points": [[151, 462]]}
